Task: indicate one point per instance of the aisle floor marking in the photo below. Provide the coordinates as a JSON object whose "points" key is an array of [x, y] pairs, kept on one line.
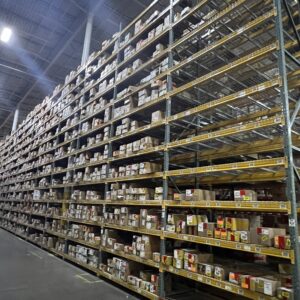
{"points": [[86, 280], [35, 254]]}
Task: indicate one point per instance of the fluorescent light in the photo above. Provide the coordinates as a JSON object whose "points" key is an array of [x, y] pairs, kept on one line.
{"points": [[5, 34]]}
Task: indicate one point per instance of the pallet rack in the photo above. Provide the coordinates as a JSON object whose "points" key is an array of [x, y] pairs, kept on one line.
{"points": [[230, 118]]}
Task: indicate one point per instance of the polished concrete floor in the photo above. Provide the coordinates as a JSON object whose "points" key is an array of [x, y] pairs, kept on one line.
{"points": [[29, 273]]}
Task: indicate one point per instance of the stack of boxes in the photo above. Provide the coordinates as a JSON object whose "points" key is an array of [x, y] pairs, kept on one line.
{"points": [[126, 125], [84, 255], [83, 212], [135, 169], [124, 216], [78, 195], [142, 144], [129, 192], [86, 233]]}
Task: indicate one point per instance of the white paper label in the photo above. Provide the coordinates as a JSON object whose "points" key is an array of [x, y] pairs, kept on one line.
{"points": [[237, 194], [189, 192], [292, 222], [268, 288], [201, 227]]}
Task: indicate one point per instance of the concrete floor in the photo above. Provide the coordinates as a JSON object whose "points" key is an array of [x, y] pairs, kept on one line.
{"points": [[29, 273]]}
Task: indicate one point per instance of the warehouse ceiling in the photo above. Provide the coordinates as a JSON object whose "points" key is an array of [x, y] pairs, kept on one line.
{"points": [[47, 44]]}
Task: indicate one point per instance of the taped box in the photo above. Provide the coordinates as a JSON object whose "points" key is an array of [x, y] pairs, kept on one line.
{"points": [[265, 285], [199, 194], [245, 195]]}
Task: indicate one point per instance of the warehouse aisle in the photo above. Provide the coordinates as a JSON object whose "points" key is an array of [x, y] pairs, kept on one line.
{"points": [[29, 273]]}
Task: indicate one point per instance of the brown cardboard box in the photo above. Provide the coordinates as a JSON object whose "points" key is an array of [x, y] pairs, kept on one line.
{"points": [[217, 233], [156, 256], [167, 260], [196, 257], [181, 227], [199, 194], [179, 253], [179, 197], [178, 263], [285, 293], [206, 269], [224, 234], [174, 218], [245, 281], [221, 272], [245, 195], [245, 237], [191, 220], [234, 277], [266, 235], [282, 242], [267, 286], [192, 267], [237, 224], [157, 116], [206, 229], [233, 236]]}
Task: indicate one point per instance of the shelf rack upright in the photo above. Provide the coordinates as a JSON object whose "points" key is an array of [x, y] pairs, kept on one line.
{"points": [[290, 115]]}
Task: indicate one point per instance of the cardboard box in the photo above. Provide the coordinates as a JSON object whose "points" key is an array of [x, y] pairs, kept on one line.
{"points": [[179, 254], [192, 267], [178, 263], [206, 229], [236, 224], [224, 234], [285, 293], [245, 195], [221, 272], [282, 242], [173, 219], [157, 116], [156, 256], [206, 269], [264, 285], [266, 235], [199, 194], [191, 220], [217, 233], [167, 260], [233, 236], [178, 197]]}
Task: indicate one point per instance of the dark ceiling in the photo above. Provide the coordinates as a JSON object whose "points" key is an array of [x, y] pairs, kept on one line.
{"points": [[47, 44]]}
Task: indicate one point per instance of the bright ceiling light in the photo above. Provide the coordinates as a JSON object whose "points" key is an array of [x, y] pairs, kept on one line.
{"points": [[5, 34]]}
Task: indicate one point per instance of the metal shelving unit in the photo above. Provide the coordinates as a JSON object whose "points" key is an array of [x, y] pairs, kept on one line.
{"points": [[230, 118]]}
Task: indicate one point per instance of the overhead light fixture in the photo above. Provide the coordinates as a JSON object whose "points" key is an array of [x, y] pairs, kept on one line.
{"points": [[5, 34]]}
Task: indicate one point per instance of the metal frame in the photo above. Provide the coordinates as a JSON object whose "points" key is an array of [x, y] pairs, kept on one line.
{"points": [[288, 142], [221, 109]]}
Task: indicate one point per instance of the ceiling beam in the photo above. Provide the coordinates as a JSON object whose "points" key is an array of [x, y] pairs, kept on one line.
{"points": [[57, 52]]}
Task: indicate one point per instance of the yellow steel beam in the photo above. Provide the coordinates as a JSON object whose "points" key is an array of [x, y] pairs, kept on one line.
{"points": [[260, 146], [276, 120], [227, 68], [288, 254], [253, 164], [222, 41], [228, 179], [227, 99], [220, 284], [265, 206], [212, 20]]}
